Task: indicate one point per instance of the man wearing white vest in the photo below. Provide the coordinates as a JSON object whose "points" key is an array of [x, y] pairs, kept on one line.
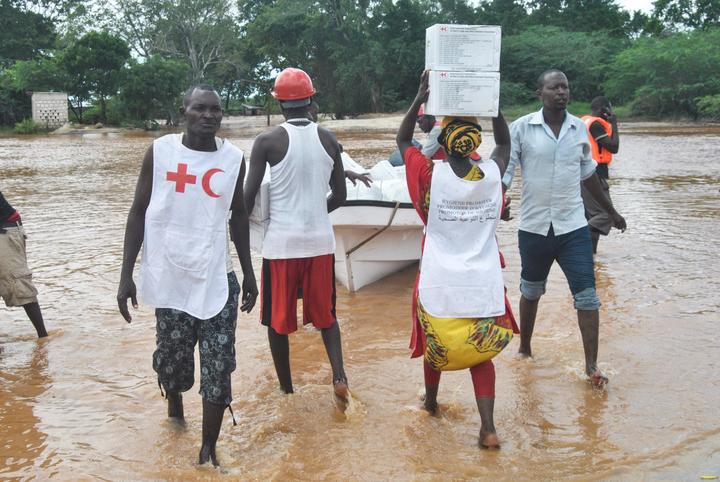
{"points": [[299, 245], [188, 185]]}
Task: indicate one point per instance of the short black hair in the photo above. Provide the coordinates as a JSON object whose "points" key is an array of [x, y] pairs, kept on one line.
{"points": [[599, 102], [541, 77], [193, 88]]}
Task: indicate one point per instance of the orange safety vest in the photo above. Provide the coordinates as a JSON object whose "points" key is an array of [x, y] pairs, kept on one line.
{"points": [[601, 156]]}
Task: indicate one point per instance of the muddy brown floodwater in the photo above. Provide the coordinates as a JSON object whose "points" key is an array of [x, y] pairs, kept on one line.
{"points": [[84, 404]]}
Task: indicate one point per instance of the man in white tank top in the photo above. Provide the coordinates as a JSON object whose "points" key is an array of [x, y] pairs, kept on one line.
{"points": [[188, 185], [299, 245]]}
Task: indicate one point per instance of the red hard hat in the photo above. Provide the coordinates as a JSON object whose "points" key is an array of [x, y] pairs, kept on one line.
{"points": [[293, 84]]}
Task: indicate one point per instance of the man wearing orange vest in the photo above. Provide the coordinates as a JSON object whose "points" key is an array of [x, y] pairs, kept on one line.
{"points": [[605, 141]]}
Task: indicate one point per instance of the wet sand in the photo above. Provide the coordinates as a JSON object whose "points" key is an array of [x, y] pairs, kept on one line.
{"points": [[84, 404]]}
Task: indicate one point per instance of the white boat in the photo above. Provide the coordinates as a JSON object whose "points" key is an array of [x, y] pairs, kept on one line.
{"points": [[377, 231]]}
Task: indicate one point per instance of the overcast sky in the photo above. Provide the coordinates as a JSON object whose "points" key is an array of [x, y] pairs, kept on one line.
{"points": [[632, 5]]}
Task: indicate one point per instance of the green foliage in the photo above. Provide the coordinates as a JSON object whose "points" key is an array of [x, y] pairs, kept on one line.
{"points": [[709, 107], [582, 56], [26, 126], [153, 88], [93, 65], [696, 14], [23, 34], [14, 103], [37, 75], [665, 76], [116, 113]]}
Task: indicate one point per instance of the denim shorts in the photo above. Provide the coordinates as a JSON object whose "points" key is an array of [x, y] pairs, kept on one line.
{"points": [[572, 251]]}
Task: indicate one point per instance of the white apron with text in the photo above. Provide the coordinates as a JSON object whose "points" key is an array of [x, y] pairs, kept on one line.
{"points": [[185, 244], [460, 273]]}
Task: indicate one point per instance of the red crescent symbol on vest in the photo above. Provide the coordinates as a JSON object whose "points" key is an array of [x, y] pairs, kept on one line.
{"points": [[206, 182]]}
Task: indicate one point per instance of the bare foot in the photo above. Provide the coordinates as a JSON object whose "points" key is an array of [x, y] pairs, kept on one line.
{"points": [[207, 453], [489, 440], [597, 379], [340, 388], [175, 405], [525, 352], [430, 406]]}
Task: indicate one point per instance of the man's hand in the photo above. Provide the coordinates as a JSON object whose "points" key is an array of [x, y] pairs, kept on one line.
{"points": [[619, 221], [353, 177], [609, 115], [505, 215], [423, 89], [126, 290], [249, 294]]}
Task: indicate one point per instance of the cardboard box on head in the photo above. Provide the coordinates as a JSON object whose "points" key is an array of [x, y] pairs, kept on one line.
{"points": [[463, 93], [463, 47]]}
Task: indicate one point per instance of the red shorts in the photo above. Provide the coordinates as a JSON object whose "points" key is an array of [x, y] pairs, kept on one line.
{"points": [[285, 280]]}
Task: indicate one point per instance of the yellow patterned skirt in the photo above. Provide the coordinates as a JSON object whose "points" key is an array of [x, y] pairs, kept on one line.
{"points": [[459, 343]]}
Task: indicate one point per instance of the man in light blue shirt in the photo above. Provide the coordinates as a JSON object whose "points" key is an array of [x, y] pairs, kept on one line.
{"points": [[552, 149]]}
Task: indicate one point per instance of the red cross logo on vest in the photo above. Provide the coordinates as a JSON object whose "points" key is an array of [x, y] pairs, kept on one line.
{"points": [[181, 177]]}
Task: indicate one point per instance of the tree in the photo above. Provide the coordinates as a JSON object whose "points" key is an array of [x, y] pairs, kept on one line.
{"points": [[23, 33], [667, 76], [154, 86], [93, 65], [197, 31], [582, 56], [700, 14], [41, 74]]}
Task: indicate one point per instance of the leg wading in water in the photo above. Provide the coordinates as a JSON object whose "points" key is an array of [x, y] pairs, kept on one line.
{"points": [[212, 419], [175, 405], [483, 378], [589, 322], [528, 312], [33, 312], [333, 346], [280, 349]]}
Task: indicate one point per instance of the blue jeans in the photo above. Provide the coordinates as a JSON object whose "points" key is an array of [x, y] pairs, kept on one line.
{"points": [[572, 251]]}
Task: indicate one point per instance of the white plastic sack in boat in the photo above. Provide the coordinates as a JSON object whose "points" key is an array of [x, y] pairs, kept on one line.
{"points": [[395, 190], [383, 170], [360, 191], [350, 165]]}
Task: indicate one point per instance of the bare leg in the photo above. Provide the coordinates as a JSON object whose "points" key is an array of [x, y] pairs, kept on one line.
{"points": [[589, 322], [280, 349], [488, 436], [33, 312], [528, 312], [212, 419], [175, 405], [432, 384], [333, 347]]}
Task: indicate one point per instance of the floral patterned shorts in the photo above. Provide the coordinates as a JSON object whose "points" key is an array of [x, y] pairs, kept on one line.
{"points": [[174, 357]]}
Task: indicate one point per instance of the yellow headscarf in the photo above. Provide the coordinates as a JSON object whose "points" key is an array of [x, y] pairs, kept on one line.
{"points": [[460, 136]]}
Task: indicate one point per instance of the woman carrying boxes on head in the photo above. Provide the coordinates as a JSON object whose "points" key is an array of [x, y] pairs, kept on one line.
{"points": [[461, 317]]}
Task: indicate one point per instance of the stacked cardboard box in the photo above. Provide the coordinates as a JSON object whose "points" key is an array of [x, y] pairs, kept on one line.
{"points": [[464, 64]]}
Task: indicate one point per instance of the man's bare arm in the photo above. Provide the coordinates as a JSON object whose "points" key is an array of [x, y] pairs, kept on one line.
{"points": [[258, 163], [501, 133], [338, 190], [240, 233], [407, 126], [134, 233]]}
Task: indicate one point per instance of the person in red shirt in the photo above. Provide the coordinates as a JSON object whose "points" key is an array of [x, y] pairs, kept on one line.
{"points": [[16, 286], [460, 279]]}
